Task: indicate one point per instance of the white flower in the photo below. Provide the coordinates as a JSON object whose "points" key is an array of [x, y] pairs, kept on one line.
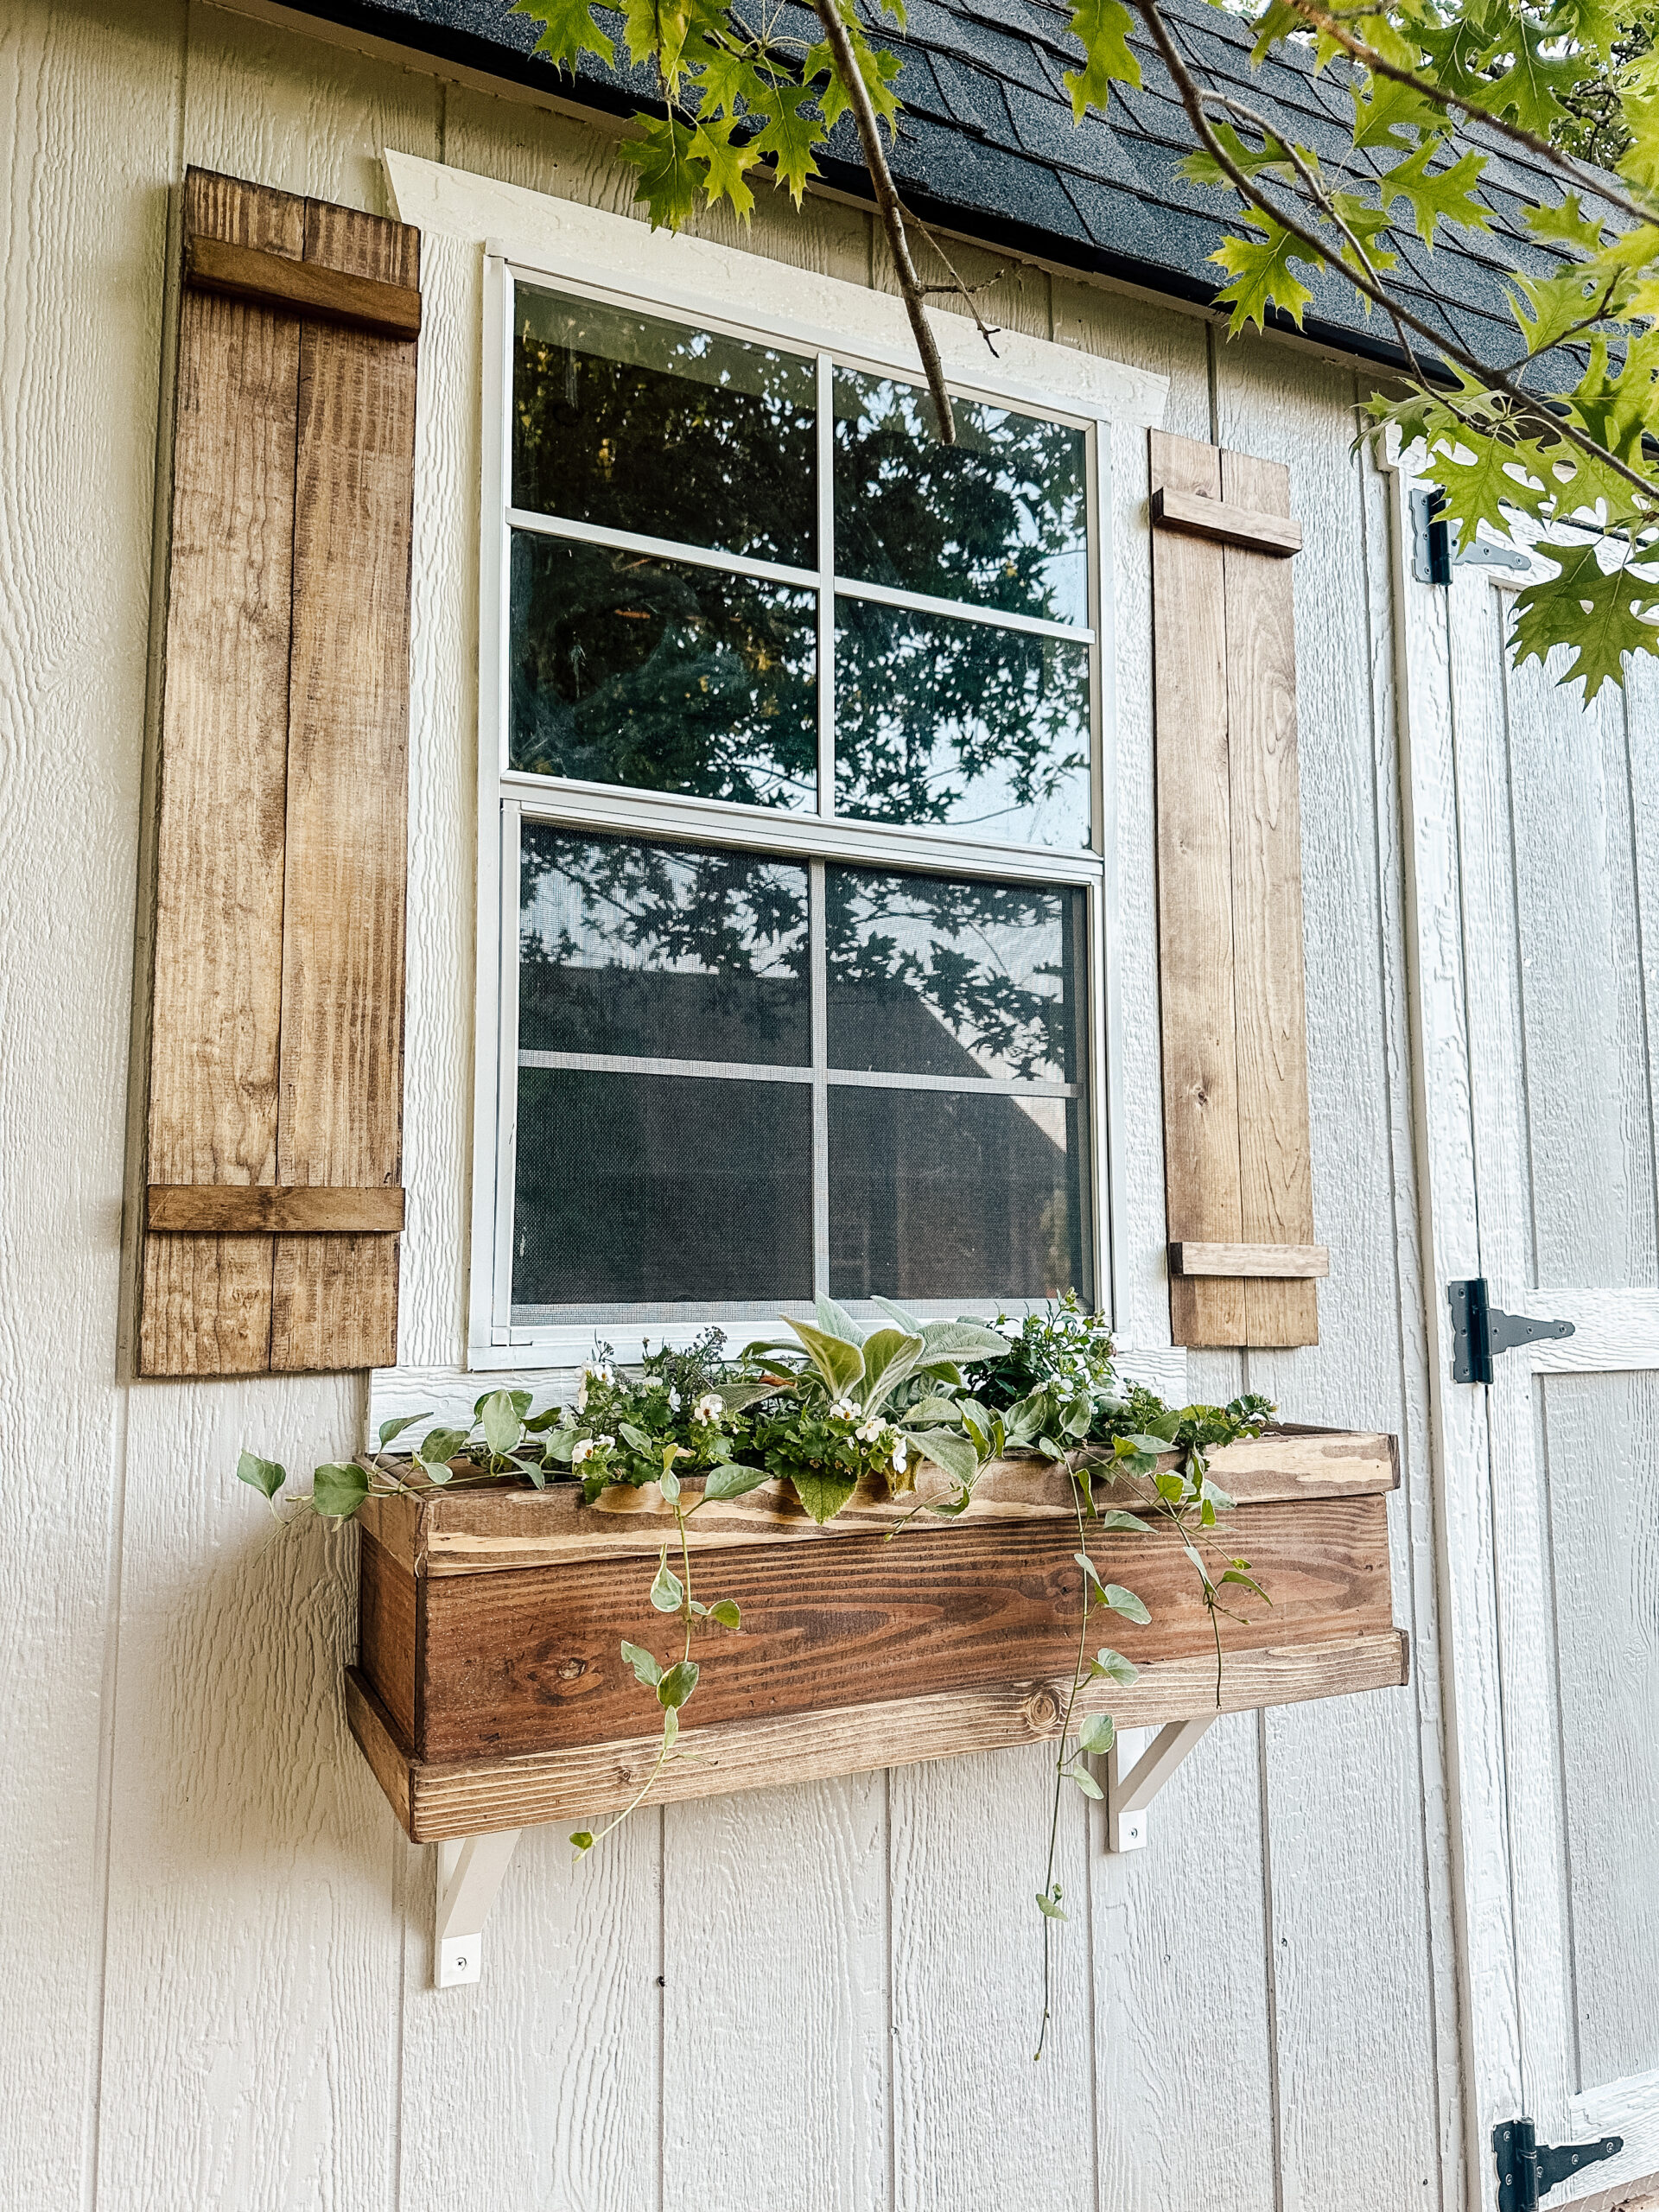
{"points": [[582, 1451], [900, 1456], [582, 1391], [709, 1407], [673, 1400], [845, 1410], [871, 1432]]}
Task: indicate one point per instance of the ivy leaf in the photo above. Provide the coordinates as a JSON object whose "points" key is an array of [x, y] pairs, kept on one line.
{"points": [[1102, 29], [734, 1479], [1131, 1523], [1235, 1574], [1097, 1734], [390, 1429], [263, 1475], [725, 1611], [339, 1489], [1595, 611], [583, 1840], [666, 1593], [1047, 1906], [1116, 1666], [1084, 1781], [437, 1448], [648, 1673], [823, 1491], [669, 177], [1259, 277], [1089, 1569], [788, 139], [1125, 1602], [669, 1483], [678, 1684], [567, 29]]}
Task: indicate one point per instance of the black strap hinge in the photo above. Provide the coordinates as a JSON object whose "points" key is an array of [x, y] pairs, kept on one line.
{"points": [[1528, 2169], [1480, 1330]]}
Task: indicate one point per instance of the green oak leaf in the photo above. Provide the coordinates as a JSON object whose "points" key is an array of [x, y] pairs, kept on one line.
{"points": [[669, 177], [723, 166], [1259, 276], [567, 29], [1598, 613], [793, 129], [1436, 196], [1103, 28]]}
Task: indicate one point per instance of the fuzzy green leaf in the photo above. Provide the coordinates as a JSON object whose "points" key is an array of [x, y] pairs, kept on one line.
{"points": [[889, 1356], [823, 1491], [948, 1448], [840, 1364]]}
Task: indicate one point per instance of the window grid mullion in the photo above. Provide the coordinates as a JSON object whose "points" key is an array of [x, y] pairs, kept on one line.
{"points": [[818, 960], [826, 459]]}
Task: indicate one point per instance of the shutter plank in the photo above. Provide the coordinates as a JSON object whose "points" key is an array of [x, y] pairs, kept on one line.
{"points": [[1276, 1179], [1195, 899], [335, 1297], [214, 1029]]}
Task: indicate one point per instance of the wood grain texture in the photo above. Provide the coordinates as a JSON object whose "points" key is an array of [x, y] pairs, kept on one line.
{"points": [[1195, 899], [1227, 520], [528, 1659], [308, 288], [473, 1525], [1257, 1261], [217, 994], [472, 1796], [334, 1298], [198, 1208], [1276, 1184]]}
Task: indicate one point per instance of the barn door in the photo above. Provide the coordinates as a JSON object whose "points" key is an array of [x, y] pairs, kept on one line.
{"points": [[1536, 832]]}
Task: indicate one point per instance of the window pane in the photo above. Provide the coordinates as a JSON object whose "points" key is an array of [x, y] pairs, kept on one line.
{"points": [[633, 423], [662, 676], [937, 1195], [999, 518], [651, 1190], [660, 952], [930, 977], [941, 721]]}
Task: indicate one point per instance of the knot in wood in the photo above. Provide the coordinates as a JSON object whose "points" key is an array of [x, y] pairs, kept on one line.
{"points": [[1042, 1710], [572, 1669]]}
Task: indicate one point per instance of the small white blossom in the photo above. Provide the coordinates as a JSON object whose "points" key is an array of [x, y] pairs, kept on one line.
{"points": [[845, 1410], [673, 1400], [872, 1432], [709, 1407], [900, 1457], [582, 1451]]}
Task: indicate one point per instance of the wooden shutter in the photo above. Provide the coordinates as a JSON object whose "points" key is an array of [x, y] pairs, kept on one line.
{"points": [[277, 1015], [1237, 1170]]}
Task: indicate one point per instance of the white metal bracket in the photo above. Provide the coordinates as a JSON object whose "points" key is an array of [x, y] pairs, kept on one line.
{"points": [[1134, 1779], [469, 1874]]}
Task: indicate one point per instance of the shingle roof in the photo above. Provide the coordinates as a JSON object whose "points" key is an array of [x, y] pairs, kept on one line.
{"points": [[987, 148]]}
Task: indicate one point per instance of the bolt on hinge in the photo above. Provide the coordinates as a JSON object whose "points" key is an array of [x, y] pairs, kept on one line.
{"points": [[1432, 557], [1528, 2169]]}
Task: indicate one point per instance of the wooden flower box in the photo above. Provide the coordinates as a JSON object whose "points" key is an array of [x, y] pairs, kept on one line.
{"points": [[491, 1692]]}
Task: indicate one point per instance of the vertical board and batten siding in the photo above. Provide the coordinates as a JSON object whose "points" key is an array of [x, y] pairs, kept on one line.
{"points": [[819, 1998]]}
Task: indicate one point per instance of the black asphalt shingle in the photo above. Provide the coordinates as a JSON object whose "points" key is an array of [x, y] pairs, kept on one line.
{"points": [[987, 148]]}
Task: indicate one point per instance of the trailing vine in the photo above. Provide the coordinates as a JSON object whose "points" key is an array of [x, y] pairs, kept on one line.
{"points": [[831, 1407]]}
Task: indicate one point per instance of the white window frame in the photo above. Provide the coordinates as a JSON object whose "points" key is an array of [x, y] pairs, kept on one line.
{"points": [[506, 797]]}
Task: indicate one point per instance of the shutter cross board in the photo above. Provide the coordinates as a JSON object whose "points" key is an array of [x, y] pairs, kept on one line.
{"points": [[1238, 1176], [276, 1013]]}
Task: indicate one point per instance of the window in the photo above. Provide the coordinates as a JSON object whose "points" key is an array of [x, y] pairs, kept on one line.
{"points": [[793, 833]]}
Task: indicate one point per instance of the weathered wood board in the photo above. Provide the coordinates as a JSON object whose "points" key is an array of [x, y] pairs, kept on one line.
{"points": [[491, 1676]]}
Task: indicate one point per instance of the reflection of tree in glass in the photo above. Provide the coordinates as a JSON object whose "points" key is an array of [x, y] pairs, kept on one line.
{"points": [[927, 709], [992, 964], [664, 950], [688, 436], [999, 518], [662, 676]]}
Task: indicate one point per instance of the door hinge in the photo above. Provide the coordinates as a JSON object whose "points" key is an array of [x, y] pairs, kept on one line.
{"points": [[1528, 2169], [1431, 556], [1480, 1329]]}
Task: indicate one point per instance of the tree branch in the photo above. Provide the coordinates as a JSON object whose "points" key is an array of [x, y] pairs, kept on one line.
{"points": [[1316, 250], [891, 214]]}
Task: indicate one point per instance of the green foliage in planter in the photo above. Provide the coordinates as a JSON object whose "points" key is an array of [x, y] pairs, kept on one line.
{"points": [[837, 1406]]}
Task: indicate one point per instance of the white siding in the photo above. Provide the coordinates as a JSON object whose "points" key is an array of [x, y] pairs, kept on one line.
{"points": [[820, 2000]]}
